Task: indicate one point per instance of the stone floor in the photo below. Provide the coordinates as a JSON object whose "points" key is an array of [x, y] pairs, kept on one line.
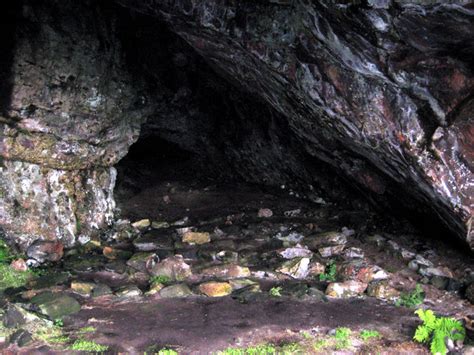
{"points": [[200, 269]]}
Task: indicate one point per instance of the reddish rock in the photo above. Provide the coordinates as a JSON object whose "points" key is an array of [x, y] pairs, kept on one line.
{"points": [[42, 251], [19, 265]]}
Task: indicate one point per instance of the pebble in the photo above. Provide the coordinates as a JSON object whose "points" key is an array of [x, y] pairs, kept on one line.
{"points": [[353, 253], [345, 289], [407, 255], [265, 213], [159, 225], [83, 288], [21, 338], [226, 271], [292, 213], [327, 252], [422, 261], [215, 289], [19, 265], [176, 291], [181, 222], [130, 291], [42, 251], [196, 238], [143, 261], [173, 267], [382, 290], [296, 252], [297, 268], [413, 265], [13, 317], [56, 305], [141, 224]]}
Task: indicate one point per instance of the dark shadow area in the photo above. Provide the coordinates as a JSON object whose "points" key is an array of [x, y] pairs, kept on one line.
{"points": [[10, 19]]}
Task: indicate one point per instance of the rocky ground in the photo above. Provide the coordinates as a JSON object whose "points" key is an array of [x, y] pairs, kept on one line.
{"points": [[206, 268]]}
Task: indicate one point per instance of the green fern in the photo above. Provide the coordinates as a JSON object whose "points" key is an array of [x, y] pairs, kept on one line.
{"points": [[411, 299], [437, 329]]}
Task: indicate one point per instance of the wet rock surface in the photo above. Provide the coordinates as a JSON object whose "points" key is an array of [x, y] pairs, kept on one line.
{"points": [[253, 281], [304, 95], [345, 118], [381, 93]]}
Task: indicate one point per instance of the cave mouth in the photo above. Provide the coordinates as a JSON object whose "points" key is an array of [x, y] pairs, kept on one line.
{"points": [[239, 221]]}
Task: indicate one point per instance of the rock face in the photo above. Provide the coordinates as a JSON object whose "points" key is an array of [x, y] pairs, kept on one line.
{"points": [[69, 112], [269, 91], [382, 92]]}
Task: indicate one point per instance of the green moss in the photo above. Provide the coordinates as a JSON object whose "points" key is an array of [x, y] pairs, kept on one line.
{"points": [[321, 344], [5, 256], [290, 349], [88, 345], [368, 334], [12, 278], [306, 335], [87, 330], [51, 335], [167, 352], [160, 279], [263, 349]]}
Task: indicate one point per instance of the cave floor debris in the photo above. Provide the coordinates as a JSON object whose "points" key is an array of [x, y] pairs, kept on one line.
{"points": [[203, 268]]}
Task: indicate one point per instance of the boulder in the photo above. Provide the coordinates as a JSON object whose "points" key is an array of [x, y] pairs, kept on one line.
{"points": [[345, 289]]}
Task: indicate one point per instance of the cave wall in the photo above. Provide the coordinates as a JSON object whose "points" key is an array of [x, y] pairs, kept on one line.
{"points": [[381, 90], [372, 98], [85, 81], [69, 113]]}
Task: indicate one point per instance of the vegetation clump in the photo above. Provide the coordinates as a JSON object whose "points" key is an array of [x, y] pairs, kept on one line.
{"points": [[275, 291], [342, 338], [266, 349], [88, 345], [330, 273], [10, 277], [413, 298], [160, 279], [436, 330], [366, 334]]}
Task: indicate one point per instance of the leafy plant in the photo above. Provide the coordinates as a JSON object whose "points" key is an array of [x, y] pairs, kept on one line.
{"points": [[367, 334], [167, 352], [88, 345], [160, 279], [275, 291], [58, 323], [330, 273], [306, 335], [413, 298], [436, 330], [342, 337]]}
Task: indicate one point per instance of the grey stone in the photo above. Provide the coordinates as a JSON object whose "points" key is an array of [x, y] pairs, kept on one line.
{"points": [[56, 305]]}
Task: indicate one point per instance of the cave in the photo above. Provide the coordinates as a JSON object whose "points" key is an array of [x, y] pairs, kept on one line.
{"points": [[254, 176]]}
